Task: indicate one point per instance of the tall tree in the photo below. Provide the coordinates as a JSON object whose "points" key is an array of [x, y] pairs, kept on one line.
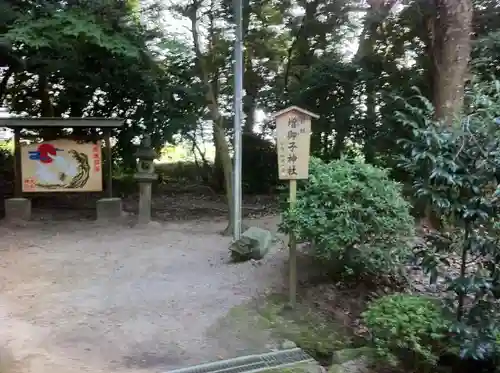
{"points": [[211, 61], [450, 29], [87, 58]]}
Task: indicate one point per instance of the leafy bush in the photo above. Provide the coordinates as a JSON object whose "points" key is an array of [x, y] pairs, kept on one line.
{"points": [[354, 214], [259, 163], [6, 168], [187, 172], [457, 169], [407, 330], [6, 160]]}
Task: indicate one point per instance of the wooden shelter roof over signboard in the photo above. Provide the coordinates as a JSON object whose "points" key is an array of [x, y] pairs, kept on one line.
{"points": [[28, 122], [17, 124], [295, 108]]}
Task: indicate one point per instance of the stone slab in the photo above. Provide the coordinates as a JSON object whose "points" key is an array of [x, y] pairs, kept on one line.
{"points": [[145, 195], [253, 244], [109, 209], [17, 209], [149, 224]]}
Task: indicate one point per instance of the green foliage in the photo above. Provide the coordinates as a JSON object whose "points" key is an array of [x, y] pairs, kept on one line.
{"points": [[354, 214], [6, 158], [179, 172], [63, 27], [6, 166], [99, 59], [7, 147], [259, 164], [456, 170], [407, 330], [112, 58]]}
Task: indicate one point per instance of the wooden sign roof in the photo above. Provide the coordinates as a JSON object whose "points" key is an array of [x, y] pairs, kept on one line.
{"points": [[295, 108], [61, 122]]}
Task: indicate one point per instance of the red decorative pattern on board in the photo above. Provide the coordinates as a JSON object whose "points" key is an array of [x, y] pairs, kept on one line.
{"points": [[96, 156]]}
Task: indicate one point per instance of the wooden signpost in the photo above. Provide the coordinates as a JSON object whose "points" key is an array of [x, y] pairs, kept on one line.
{"points": [[293, 137]]}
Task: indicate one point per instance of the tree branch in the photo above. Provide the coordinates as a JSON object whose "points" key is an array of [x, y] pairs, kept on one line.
{"points": [[290, 52], [4, 82], [192, 13]]}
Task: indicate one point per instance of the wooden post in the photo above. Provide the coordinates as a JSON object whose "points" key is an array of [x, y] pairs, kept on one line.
{"points": [[293, 131], [292, 245], [109, 162], [17, 164]]}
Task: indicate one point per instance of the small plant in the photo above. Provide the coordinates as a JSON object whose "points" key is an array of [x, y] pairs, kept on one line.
{"points": [[6, 164], [259, 163], [352, 214], [407, 330], [456, 170]]}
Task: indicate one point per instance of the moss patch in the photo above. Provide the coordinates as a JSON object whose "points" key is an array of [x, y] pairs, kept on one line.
{"points": [[266, 322], [306, 326], [349, 354]]}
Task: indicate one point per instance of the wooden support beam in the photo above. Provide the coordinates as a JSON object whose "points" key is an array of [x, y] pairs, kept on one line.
{"points": [[109, 162], [18, 186]]}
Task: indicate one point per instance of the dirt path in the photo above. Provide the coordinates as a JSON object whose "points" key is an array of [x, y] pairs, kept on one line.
{"points": [[79, 297]]}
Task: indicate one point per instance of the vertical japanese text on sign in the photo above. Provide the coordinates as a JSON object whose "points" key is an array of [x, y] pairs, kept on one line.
{"points": [[282, 156], [96, 157], [29, 184], [295, 127], [293, 130]]}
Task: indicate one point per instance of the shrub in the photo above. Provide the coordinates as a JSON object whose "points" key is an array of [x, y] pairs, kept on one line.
{"points": [[259, 163], [407, 330], [6, 168], [353, 214], [457, 175], [187, 172]]}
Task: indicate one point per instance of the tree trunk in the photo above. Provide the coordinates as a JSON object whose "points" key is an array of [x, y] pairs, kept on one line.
{"points": [[46, 108], [220, 142], [217, 175], [376, 15], [251, 79], [370, 121], [249, 107], [451, 48], [222, 148], [3, 84], [251, 84]]}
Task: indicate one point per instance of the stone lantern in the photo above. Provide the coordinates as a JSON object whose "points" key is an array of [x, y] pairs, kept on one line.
{"points": [[145, 176]]}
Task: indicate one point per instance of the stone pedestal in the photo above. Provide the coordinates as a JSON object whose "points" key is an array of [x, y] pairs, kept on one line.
{"points": [[145, 176], [145, 195], [17, 209], [109, 209]]}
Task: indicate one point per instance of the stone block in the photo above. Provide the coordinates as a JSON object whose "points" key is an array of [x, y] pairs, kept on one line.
{"points": [[253, 244], [17, 209], [109, 209]]}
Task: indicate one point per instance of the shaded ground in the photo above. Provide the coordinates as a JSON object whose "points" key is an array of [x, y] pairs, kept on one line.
{"points": [[81, 297], [78, 297], [312, 330], [168, 204]]}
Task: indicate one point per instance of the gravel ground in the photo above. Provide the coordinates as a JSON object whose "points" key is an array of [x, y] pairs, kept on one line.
{"points": [[79, 297]]}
